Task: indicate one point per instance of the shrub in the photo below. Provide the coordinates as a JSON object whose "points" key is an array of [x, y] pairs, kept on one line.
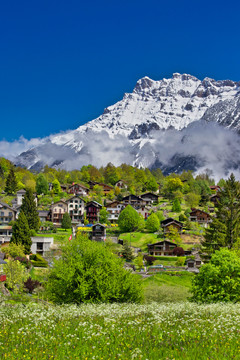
{"points": [[13, 250], [149, 259], [219, 280], [38, 261], [178, 251], [88, 272], [180, 261], [24, 261], [152, 223], [31, 284]]}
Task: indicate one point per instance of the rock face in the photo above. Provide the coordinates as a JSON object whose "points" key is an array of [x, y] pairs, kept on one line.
{"points": [[157, 119]]}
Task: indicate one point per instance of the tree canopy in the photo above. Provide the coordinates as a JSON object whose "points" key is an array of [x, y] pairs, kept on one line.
{"points": [[29, 208], [88, 272], [128, 219], [219, 280]]}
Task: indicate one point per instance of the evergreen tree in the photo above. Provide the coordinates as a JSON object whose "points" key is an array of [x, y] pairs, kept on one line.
{"points": [[224, 230], [176, 206], [152, 223], [66, 221], [21, 233], [127, 251], [11, 182], [41, 185], [29, 208]]}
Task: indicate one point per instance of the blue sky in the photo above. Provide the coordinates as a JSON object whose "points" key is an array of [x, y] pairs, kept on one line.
{"points": [[63, 62]]}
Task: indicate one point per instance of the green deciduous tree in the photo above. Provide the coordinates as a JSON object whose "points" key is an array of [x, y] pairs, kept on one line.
{"points": [[224, 230], [21, 233], [173, 235], [219, 280], [41, 185], [88, 272], [103, 215], [192, 199], [11, 182], [152, 223], [56, 188], [29, 208], [16, 275], [128, 219], [66, 221]]}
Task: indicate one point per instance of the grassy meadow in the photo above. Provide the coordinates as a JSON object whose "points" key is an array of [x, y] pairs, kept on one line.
{"points": [[112, 331]]}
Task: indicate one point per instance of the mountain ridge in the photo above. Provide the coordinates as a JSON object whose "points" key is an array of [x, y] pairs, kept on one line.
{"points": [[134, 124]]}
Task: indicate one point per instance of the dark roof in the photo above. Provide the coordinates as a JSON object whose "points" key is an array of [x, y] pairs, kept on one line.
{"points": [[194, 210], [43, 212], [75, 196], [149, 193], [83, 186], [94, 225], [95, 203], [132, 196], [162, 242], [2, 204], [169, 221]]}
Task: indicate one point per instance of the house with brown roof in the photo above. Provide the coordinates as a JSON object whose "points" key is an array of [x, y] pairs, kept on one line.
{"points": [[200, 216], [134, 200], [93, 211], [161, 248], [150, 198], [165, 224], [78, 189]]}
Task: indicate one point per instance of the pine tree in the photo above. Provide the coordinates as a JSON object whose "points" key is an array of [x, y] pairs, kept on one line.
{"points": [[29, 208], [176, 206], [127, 251], [66, 221], [11, 182], [21, 233], [224, 230]]}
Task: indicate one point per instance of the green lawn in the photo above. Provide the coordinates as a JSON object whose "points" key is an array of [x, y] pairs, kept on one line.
{"points": [[140, 239], [167, 287]]}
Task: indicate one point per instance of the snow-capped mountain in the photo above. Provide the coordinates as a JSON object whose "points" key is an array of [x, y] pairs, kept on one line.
{"points": [[159, 122]]}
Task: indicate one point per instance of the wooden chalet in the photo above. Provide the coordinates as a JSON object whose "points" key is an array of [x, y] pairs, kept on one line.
{"points": [[78, 189], [134, 201], [98, 232], [200, 216], [215, 188], [121, 184], [165, 224], [150, 198], [92, 211], [106, 188], [161, 248], [214, 198]]}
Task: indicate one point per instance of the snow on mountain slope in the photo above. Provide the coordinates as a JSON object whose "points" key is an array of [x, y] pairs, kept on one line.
{"points": [[130, 129]]}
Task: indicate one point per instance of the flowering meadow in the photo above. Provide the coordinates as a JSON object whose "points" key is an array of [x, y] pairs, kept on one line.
{"points": [[120, 331]]}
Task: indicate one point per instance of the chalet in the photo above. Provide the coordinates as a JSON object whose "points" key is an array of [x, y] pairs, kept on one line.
{"points": [[114, 209], [78, 189], [200, 216], [214, 198], [165, 224], [76, 207], [57, 211], [7, 213], [134, 201], [98, 232], [44, 215], [144, 211], [150, 198], [106, 188], [215, 188], [161, 248], [121, 184], [64, 187], [92, 211]]}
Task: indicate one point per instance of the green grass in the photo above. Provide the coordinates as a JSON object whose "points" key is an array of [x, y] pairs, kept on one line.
{"points": [[127, 331], [59, 237], [165, 287], [140, 239]]}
